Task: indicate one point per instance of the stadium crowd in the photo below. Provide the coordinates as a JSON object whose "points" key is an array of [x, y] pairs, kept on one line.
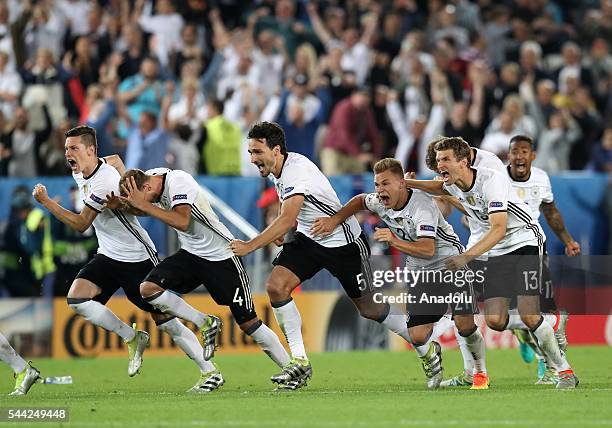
{"points": [[179, 83]]}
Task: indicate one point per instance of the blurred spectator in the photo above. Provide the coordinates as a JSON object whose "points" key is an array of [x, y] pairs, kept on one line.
{"points": [[5, 147], [497, 140], [98, 113], [132, 50], [190, 109], [222, 142], [300, 113], [40, 26], [28, 247], [143, 91], [189, 50], [572, 66], [183, 151], [602, 154], [25, 144], [10, 87], [352, 141], [75, 13], [165, 26], [147, 143], [270, 57], [556, 142]]}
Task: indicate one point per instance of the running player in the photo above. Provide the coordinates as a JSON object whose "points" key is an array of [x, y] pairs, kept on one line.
{"points": [[125, 255], [512, 242], [25, 375], [174, 197], [306, 194], [418, 229], [532, 185]]}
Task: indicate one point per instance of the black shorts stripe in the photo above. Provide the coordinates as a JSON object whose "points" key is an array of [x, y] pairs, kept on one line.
{"points": [[152, 253], [244, 280]]}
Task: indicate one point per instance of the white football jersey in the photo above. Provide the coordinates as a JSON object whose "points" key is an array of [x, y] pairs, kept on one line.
{"points": [[419, 218], [534, 191], [492, 192], [120, 235], [482, 158], [300, 176], [206, 236], [487, 159]]}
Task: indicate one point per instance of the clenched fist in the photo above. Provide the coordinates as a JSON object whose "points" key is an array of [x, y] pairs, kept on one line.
{"points": [[40, 193]]}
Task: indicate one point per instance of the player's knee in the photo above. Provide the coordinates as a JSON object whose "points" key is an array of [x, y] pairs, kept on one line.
{"points": [[277, 290], [496, 322], [464, 323], [531, 320], [148, 289]]}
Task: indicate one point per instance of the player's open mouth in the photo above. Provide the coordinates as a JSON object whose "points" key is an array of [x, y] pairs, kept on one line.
{"points": [[521, 166], [445, 175], [72, 163], [260, 166], [384, 199]]}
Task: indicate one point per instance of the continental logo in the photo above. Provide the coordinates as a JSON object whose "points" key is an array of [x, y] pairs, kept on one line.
{"points": [[73, 336]]}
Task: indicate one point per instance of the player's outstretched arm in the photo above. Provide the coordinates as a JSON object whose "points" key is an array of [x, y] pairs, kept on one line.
{"points": [[179, 217], [498, 221], [79, 222], [423, 248], [555, 221], [281, 225], [433, 187], [325, 225], [114, 202]]}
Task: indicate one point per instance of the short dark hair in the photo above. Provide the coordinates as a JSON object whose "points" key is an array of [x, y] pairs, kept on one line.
{"points": [[271, 132], [87, 134], [461, 149], [430, 156], [389, 164], [139, 177], [217, 104], [522, 138]]}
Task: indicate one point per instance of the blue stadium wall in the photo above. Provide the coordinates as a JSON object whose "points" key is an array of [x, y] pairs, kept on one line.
{"points": [[581, 197]]}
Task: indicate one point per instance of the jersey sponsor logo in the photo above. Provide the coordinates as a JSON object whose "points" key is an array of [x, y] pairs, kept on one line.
{"points": [[427, 228], [179, 197], [96, 199], [289, 190], [496, 204]]}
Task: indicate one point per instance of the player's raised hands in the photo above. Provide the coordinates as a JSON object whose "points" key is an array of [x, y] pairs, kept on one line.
{"points": [[572, 249], [40, 193], [323, 226], [134, 196], [410, 175], [113, 201]]}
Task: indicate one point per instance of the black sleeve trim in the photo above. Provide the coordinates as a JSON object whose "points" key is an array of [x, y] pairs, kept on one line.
{"points": [[182, 203], [95, 209], [295, 194], [499, 211], [424, 236]]}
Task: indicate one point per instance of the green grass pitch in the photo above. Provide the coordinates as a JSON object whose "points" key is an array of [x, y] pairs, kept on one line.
{"points": [[356, 389]]}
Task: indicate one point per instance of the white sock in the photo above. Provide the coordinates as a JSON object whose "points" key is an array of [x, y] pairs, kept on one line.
{"points": [[468, 360], [396, 321], [170, 303], [188, 342], [421, 350], [476, 347], [548, 344], [98, 314], [290, 322], [441, 326], [268, 341], [515, 321], [10, 356]]}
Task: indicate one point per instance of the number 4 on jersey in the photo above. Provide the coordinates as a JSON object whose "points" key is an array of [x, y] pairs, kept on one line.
{"points": [[237, 298]]}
